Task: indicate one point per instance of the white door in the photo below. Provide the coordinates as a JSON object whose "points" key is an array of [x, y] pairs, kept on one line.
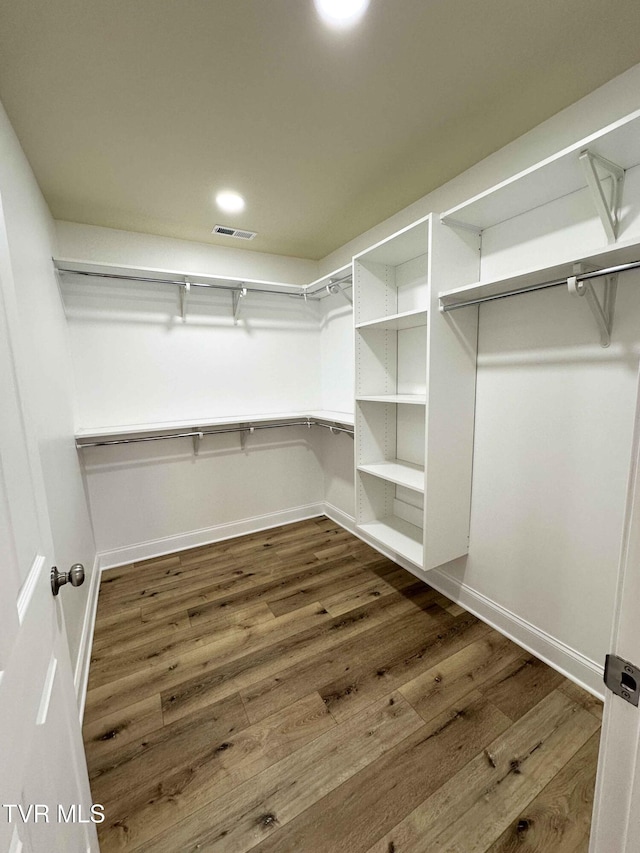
{"points": [[616, 815], [44, 789]]}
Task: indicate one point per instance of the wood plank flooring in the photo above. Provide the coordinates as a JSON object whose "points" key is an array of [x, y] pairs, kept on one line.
{"points": [[293, 690]]}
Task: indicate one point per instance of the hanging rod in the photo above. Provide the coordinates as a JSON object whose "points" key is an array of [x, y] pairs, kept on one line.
{"points": [[202, 432], [301, 294], [346, 280], [632, 265]]}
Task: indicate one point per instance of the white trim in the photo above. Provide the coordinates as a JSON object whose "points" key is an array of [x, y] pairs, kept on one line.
{"points": [[206, 536], [572, 664], [83, 660], [575, 666]]}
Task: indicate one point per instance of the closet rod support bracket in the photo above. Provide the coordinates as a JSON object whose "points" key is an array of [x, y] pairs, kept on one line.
{"points": [[236, 296], [246, 431], [334, 287], [608, 208], [602, 310], [185, 290], [197, 438]]}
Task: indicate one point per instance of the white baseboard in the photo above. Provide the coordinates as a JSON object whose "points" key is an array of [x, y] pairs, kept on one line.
{"points": [[81, 674], [572, 664], [206, 536]]}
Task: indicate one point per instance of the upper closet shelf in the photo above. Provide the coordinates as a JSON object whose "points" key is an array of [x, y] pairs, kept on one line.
{"points": [[238, 288], [165, 276], [398, 322], [556, 176]]}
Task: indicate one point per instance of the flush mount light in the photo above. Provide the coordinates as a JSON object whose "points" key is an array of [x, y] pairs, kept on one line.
{"points": [[341, 13], [230, 201]]}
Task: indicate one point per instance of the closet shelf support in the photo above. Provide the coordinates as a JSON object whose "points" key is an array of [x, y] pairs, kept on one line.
{"points": [[185, 290], [608, 208], [237, 295], [197, 438], [601, 310]]}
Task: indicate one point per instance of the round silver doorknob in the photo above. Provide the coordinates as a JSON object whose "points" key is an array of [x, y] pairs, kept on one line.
{"points": [[75, 576]]}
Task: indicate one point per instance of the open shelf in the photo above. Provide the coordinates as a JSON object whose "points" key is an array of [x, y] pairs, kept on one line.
{"points": [[397, 471], [619, 253], [552, 178], [405, 399], [398, 322], [399, 536], [131, 430]]}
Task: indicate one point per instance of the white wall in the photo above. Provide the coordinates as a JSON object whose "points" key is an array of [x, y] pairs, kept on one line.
{"points": [[31, 236], [136, 361], [553, 421], [154, 498]]}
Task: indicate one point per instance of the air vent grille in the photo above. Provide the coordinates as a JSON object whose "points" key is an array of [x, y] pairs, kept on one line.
{"points": [[234, 232]]}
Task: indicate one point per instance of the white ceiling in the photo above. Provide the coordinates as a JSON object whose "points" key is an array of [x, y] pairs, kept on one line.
{"points": [[133, 113]]}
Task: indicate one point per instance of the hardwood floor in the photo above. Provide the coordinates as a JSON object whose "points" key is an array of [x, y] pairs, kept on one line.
{"points": [[293, 690]]}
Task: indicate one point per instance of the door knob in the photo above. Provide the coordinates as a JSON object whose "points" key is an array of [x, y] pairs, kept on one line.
{"points": [[75, 576]]}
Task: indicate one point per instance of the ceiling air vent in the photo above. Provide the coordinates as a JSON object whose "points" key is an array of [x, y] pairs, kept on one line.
{"points": [[233, 232]]}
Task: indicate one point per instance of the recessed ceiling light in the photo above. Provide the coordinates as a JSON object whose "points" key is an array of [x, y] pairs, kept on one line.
{"points": [[341, 13], [229, 201]]}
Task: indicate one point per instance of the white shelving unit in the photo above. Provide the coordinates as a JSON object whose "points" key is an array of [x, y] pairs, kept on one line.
{"points": [[415, 385], [577, 209]]}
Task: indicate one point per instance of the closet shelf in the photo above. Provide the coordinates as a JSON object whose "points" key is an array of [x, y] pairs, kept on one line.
{"points": [[550, 179], [407, 399], [397, 471], [539, 277], [85, 435], [397, 322], [398, 535]]}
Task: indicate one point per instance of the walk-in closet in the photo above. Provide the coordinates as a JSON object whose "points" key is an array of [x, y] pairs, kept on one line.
{"points": [[320, 434]]}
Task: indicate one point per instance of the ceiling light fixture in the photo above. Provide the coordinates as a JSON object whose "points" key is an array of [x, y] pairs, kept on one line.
{"points": [[230, 201], [341, 13]]}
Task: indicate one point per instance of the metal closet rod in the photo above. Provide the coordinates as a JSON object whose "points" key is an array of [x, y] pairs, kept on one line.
{"points": [[201, 432], [227, 287], [346, 280], [632, 265]]}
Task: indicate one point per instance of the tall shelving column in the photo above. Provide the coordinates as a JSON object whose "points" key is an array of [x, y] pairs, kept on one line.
{"points": [[390, 300], [415, 395]]}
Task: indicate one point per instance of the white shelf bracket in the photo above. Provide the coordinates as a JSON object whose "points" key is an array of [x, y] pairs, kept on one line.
{"points": [[244, 434], [185, 289], [237, 295], [607, 206], [197, 438], [458, 223], [333, 287], [601, 310]]}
